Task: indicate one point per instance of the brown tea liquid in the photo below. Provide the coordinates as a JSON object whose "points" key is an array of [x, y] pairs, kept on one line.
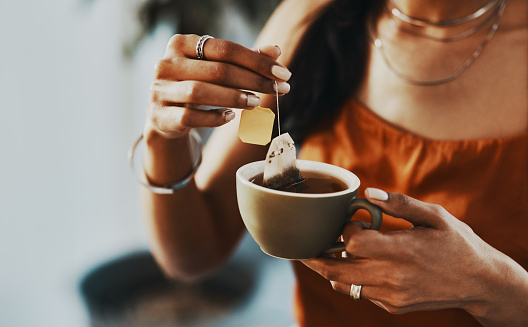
{"points": [[314, 183]]}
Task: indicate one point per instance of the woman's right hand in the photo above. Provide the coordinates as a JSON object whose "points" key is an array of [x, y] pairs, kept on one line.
{"points": [[227, 78]]}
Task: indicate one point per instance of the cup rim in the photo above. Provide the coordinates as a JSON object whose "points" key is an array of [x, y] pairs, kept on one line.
{"points": [[352, 181]]}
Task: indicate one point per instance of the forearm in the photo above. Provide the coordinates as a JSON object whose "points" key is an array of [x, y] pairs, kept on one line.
{"points": [[188, 239], [505, 302], [195, 229]]}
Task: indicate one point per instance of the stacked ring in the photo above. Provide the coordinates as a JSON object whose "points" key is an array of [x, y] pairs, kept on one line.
{"points": [[200, 46]]}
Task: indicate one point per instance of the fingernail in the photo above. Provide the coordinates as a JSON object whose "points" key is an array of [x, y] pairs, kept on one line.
{"points": [[278, 49], [281, 87], [281, 72], [376, 194], [229, 115], [252, 100], [332, 283]]}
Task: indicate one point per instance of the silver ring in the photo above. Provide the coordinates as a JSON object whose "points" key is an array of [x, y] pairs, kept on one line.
{"points": [[355, 292], [200, 46]]}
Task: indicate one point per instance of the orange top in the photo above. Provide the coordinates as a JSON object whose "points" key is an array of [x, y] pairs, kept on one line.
{"points": [[482, 182]]}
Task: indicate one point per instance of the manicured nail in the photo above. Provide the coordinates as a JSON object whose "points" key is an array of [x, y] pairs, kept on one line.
{"points": [[278, 50], [229, 115], [376, 194], [252, 100], [281, 72], [281, 87]]}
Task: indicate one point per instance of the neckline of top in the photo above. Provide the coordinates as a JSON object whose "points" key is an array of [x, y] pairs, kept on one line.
{"points": [[387, 125]]}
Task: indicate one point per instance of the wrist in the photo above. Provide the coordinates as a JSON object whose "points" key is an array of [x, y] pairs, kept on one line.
{"points": [[151, 133], [166, 164], [504, 288]]}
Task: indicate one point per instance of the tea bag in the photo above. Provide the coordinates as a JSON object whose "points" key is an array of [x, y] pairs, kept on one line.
{"points": [[280, 168], [256, 126]]}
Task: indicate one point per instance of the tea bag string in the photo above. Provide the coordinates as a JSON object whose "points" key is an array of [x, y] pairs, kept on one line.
{"points": [[278, 110]]}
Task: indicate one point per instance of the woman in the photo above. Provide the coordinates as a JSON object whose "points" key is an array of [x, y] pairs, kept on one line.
{"points": [[424, 98]]}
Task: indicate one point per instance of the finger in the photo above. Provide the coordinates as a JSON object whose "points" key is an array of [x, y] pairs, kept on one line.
{"points": [[372, 293], [169, 92], [367, 243], [398, 205], [344, 288], [360, 272], [384, 297], [272, 51], [368, 292], [218, 73], [228, 52], [173, 120], [387, 298]]}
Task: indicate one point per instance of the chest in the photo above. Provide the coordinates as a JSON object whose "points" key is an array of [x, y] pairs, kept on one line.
{"points": [[488, 100]]}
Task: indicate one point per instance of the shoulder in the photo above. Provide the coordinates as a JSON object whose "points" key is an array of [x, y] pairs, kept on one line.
{"points": [[287, 25]]}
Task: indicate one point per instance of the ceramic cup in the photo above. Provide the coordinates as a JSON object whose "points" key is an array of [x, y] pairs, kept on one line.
{"points": [[300, 225]]}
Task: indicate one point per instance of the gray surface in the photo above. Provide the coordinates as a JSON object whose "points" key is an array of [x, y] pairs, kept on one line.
{"points": [[252, 289]]}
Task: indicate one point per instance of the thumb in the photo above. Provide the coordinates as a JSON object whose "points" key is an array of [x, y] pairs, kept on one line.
{"points": [[420, 214]]}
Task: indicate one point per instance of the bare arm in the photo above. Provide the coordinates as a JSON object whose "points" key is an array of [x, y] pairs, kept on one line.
{"points": [[195, 230]]}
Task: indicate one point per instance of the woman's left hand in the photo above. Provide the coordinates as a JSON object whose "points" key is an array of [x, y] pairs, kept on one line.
{"points": [[439, 263]]}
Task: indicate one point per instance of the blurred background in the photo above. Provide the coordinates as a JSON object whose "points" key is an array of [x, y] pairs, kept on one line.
{"points": [[74, 81]]}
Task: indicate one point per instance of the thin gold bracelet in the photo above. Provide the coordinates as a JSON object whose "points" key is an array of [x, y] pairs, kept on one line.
{"points": [[196, 148]]}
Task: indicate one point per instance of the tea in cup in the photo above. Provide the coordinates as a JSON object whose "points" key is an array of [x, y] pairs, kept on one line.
{"points": [[306, 223]]}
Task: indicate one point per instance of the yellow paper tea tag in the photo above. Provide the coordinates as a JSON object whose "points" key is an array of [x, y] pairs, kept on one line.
{"points": [[256, 126]]}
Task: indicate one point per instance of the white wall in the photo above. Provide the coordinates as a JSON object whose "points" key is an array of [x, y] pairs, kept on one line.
{"points": [[70, 107]]}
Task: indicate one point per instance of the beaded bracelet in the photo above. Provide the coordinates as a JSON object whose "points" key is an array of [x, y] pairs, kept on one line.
{"points": [[195, 146]]}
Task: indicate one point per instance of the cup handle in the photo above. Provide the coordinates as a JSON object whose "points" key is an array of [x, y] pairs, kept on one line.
{"points": [[375, 218]]}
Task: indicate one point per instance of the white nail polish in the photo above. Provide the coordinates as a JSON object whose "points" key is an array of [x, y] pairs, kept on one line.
{"points": [[278, 50], [252, 100], [281, 72], [281, 87], [229, 116], [377, 194]]}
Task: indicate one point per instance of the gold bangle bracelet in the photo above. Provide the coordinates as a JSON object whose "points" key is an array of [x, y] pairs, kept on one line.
{"points": [[196, 148]]}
